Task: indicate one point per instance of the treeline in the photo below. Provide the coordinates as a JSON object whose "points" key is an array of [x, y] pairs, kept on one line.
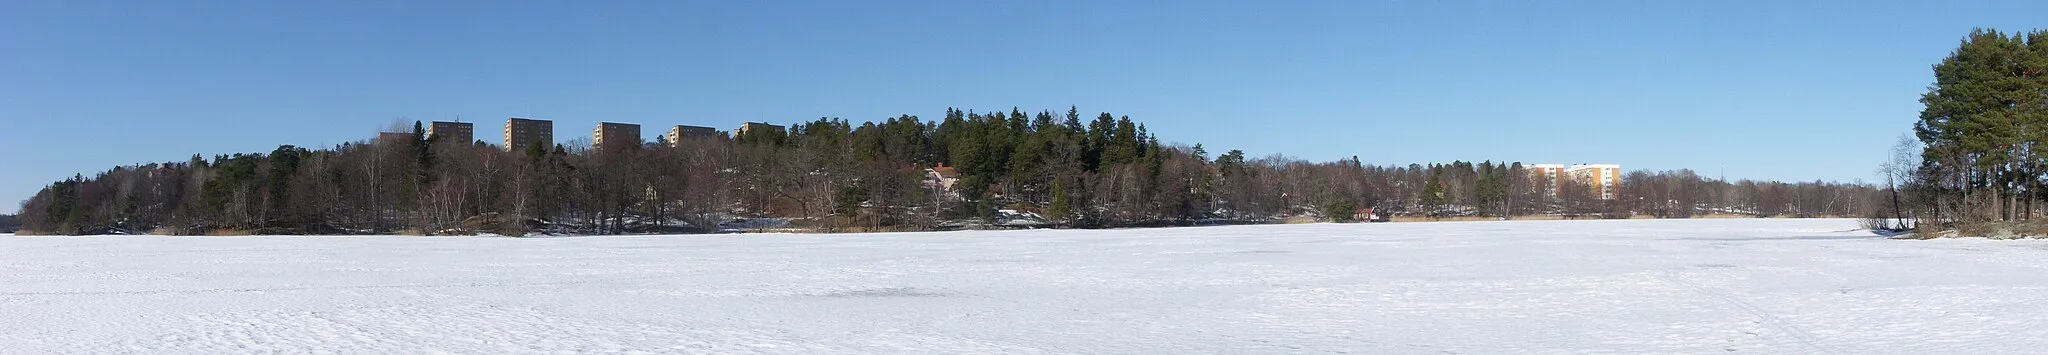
{"points": [[834, 175], [9, 223], [1980, 161]]}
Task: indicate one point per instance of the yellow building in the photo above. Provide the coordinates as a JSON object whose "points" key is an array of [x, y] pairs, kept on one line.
{"points": [[1552, 174], [1601, 178]]}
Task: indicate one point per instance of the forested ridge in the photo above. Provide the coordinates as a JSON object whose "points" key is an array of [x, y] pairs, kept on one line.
{"points": [[1061, 170]]}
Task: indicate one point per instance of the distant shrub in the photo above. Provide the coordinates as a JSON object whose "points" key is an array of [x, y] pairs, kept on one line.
{"points": [[1340, 211]]}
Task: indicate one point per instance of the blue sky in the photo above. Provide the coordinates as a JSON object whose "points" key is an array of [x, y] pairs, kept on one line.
{"points": [[1799, 90]]}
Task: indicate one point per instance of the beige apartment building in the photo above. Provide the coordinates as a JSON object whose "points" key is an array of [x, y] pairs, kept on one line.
{"points": [[523, 132], [755, 126], [459, 132], [610, 134], [679, 133]]}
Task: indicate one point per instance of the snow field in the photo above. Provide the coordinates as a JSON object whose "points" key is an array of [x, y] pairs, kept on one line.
{"points": [[1627, 286]]}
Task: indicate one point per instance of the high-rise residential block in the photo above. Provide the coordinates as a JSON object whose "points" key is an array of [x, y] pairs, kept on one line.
{"points": [[1602, 179], [610, 134], [523, 132], [679, 133], [1550, 174], [751, 127], [457, 132]]}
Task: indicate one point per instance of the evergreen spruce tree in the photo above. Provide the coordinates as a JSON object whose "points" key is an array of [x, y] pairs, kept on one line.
{"points": [[1062, 206], [1432, 197]]}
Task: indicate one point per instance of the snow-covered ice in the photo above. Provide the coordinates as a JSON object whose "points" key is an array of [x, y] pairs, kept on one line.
{"points": [[1634, 286]]}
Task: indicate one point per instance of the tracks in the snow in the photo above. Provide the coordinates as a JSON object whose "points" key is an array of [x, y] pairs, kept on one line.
{"points": [[1765, 317]]}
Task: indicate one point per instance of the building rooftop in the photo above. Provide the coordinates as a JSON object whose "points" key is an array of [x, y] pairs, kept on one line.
{"points": [[946, 171]]}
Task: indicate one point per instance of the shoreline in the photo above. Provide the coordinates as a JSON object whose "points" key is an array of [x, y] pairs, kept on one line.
{"points": [[1395, 220]]}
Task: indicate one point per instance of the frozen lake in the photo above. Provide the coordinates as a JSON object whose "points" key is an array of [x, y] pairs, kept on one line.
{"points": [[1633, 286]]}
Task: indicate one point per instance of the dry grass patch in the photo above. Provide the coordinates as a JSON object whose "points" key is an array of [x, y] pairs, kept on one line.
{"points": [[1724, 215], [2025, 229], [229, 232], [1300, 220]]}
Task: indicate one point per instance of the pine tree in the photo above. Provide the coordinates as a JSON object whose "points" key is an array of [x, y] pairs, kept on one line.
{"points": [[1983, 119], [1433, 191]]}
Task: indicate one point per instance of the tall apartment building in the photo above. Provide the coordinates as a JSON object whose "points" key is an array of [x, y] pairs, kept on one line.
{"points": [[678, 133], [609, 134], [523, 132], [1553, 173], [1601, 178], [755, 126], [458, 132]]}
